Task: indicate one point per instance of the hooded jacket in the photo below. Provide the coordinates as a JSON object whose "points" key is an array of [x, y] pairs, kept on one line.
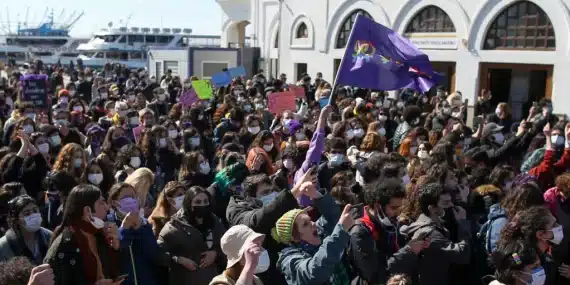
{"points": [[432, 265]]}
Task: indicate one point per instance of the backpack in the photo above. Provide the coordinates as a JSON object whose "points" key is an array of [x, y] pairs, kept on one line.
{"points": [[482, 249]]}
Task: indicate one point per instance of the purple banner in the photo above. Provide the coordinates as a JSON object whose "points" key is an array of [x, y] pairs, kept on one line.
{"points": [[34, 89]]}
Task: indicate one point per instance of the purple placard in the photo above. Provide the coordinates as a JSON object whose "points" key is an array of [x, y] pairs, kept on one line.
{"points": [[188, 98], [34, 89]]}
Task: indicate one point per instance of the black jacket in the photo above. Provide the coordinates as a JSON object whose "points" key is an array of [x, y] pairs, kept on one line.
{"points": [[30, 171], [252, 213]]}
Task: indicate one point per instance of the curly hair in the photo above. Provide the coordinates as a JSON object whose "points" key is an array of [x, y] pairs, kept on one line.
{"points": [[64, 161], [107, 146], [500, 175], [148, 142], [506, 266], [434, 137], [343, 178], [525, 224], [175, 112], [382, 192], [411, 206], [522, 197], [16, 271], [124, 155]]}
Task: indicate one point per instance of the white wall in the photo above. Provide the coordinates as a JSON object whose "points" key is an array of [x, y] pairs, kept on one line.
{"points": [[471, 19], [180, 55]]}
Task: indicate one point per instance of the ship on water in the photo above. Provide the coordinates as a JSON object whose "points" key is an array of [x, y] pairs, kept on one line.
{"points": [[48, 41]]}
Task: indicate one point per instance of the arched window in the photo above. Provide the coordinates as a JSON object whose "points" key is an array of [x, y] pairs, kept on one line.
{"points": [[346, 27], [302, 32], [431, 19], [276, 43], [521, 26]]}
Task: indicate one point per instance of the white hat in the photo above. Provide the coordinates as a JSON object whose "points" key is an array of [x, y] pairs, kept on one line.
{"points": [[233, 242]]}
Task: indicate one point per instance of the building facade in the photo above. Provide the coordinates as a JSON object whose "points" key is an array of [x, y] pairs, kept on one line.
{"points": [[517, 49]]}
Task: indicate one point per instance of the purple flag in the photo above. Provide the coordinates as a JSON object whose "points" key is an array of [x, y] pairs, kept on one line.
{"points": [[379, 58]]}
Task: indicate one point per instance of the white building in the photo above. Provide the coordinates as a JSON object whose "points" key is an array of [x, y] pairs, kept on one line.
{"points": [[517, 49]]}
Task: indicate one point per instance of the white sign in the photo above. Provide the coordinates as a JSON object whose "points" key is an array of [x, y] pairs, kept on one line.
{"points": [[430, 42]]}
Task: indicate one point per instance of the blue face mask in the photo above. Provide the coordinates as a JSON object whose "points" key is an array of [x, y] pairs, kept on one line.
{"points": [[268, 198], [336, 159]]}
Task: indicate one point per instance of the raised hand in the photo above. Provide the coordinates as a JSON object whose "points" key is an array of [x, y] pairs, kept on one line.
{"points": [[346, 219]]}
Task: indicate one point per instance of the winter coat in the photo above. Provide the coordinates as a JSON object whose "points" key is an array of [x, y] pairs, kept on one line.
{"points": [[313, 157], [547, 171], [372, 242], [496, 221], [306, 264], [433, 263], [261, 219], [180, 238], [139, 253], [11, 245]]}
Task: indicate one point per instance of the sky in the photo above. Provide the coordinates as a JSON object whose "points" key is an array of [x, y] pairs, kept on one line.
{"points": [[204, 17]]}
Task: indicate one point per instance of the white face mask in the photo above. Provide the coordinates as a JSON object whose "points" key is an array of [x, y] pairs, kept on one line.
{"points": [[263, 263], [173, 134], [336, 159], [161, 97], [406, 179], [78, 162], [95, 178], [557, 140], [499, 138], [350, 134], [288, 163], [195, 141], [135, 162], [422, 154], [382, 131], [268, 147], [55, 140], [162, 142], [33, 222], [43, 148], [358, 133], [178, 202], [300, 136], [253, 130], [132, 98], [268, 198], [78, 108], [122, 114], [557, 234], [96, 222], [204, 167], [538, 276], [498, 111], [28, 129], [134, 121]]}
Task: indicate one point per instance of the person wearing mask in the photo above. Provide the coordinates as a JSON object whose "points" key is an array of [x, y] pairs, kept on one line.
{"points": [[168, 203], [22, 126], [539, 228], [246, 257], [71, 159], [146, 118], [136, 236], [128, 160], [192, 238], [261, 208], [59, 185], [95, 174], [499, 149], [315, 251], [438, 251], [160, 103], [411, 120], [26, 164], [232, 124], [250, 130], [375, 236], [517, 263], [82, 229], [67, 132], [25, 236], [195, 170], [316, 148], [336, 162], [262, 154], [142, 180], [161, 155], [546, 172], [288, 167]]}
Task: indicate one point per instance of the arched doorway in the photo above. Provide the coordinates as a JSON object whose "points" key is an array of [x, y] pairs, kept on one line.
{"points": [[432, 28], [521, 26], [235, 34], [344, 32]]}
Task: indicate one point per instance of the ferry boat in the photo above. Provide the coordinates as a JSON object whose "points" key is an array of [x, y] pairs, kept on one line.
{"points": [[49, 42], [129, 46]]}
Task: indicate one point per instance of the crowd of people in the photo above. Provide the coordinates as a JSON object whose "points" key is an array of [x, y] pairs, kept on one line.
{"points": [[117, 182]]}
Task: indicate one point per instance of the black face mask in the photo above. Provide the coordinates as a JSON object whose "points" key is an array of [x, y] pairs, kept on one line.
{"points": [[201, 211]]}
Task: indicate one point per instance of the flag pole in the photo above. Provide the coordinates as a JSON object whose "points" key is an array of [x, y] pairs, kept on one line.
{"points": [[332, 97]]}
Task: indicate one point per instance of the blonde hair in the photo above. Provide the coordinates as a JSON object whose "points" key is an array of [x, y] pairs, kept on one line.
{"points": [[141, 179]]}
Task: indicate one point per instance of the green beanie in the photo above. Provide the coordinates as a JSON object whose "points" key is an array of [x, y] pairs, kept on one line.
{"points": [[283, 230]]}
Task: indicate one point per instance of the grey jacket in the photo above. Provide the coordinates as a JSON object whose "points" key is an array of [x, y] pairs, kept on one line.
{"points": [[433, 263], [11, 246]]}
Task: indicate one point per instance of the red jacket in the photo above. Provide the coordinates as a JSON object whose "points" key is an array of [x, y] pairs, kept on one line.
{"points": [[547, 170]]}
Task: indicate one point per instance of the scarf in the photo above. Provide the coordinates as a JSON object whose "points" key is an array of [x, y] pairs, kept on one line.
{"points": [[81, 228]]}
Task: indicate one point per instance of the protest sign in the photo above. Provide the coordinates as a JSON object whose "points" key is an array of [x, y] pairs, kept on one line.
{"points": [[281, 101], [137, 133], [188, 98], [237, 71], [34, 89], [203, 89], [221, 79], [298, 90]]}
